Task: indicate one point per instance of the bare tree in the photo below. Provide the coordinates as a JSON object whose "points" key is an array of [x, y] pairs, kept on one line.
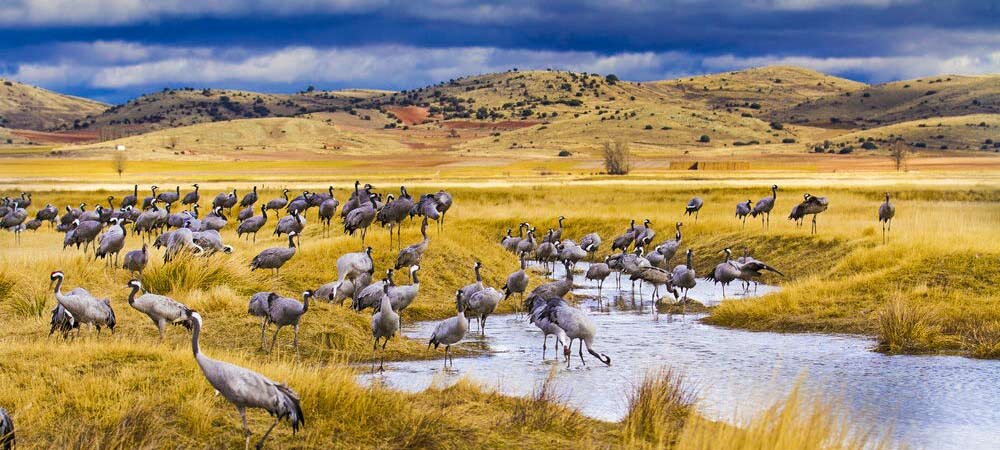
{"points": [[617, 158], [899, 152], [172, 142], [119, 161]]}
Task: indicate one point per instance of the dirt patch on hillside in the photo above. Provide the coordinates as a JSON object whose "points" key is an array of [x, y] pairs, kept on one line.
{"points": [[58, 137], [410, 115], [502, 125]]}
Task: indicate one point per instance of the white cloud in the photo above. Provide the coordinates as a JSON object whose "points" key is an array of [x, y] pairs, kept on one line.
{"points": [[119, 12], [117, 65], [808, 5], [876, 68]]}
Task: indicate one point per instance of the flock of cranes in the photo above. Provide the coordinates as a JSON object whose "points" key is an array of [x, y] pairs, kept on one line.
{"points": [[104, 230]]}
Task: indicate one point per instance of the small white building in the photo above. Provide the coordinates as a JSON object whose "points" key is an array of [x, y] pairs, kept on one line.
{"points": [[120, 147]]}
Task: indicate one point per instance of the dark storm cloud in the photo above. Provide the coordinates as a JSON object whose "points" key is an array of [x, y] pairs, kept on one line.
{"points": [[115, 48]]}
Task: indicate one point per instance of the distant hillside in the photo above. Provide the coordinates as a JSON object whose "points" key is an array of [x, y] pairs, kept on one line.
{"points": [[554, 110], [34, 108], [246, 138], [972, 132], [900, 101], [757, 91], [180, 107]]}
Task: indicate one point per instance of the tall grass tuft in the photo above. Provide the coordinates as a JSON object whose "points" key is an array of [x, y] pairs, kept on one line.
{"points": [[658, 409], [983, 339], [791, 424], [187, 273], [903, 327]]}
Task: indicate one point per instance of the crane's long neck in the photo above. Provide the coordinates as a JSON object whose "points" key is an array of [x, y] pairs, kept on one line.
{"points": [[195, 335], [305, 302], [423, 230], [688, 260], [131, 295], [386, 305], [479, 278], [58, 289], [523, 265], [774, 193], [291, 241], [413, 275]]}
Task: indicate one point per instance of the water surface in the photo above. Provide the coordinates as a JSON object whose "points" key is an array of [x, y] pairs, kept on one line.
{"points": [[929, 401]]}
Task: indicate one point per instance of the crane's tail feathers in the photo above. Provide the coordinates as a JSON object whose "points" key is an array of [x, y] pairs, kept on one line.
{"points": [[290, 407]]}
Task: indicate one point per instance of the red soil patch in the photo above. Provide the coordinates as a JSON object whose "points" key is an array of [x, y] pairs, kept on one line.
{"points": [[410, 115], [502, 125], [58, 137]]}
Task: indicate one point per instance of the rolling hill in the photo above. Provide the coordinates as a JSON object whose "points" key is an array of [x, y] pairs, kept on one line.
{"points": [[187, 106], [899, 101], [284, 137], [546, 112], [33, 108], [757, 91]]}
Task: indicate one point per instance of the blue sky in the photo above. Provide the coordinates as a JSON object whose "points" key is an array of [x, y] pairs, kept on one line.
{"points": [[112, 50]]}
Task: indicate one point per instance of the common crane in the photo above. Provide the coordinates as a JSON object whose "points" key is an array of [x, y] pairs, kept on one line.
{"points": [[810, 205], [84, 307], [385, 324], [886, 212], [725, 272], [245, 388], [450, 331], [743, 209], [191, 198], [159, 308], [577, 325], [599, 272], [7, 437], [275, 257], [249, 199], [517, 282], [112, 242], [252, 225], [135, 261], [280, 202], [413, 254], [591, 243], [684, 276], [764, 206], [693, 207], [394, 212], [284, 311]]}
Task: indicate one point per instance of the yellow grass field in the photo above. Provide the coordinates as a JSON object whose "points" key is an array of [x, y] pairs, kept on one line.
{"points": [[931, 289]]}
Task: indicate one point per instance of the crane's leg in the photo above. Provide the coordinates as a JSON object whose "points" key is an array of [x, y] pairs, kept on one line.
{"points": [[814, 224], [260, 444], [374, 349], [263, 333], [545, 343], [159, 326], [883, 232], [580, 350], [447, 349], [295, 340], [246, 428], [274, 339]]}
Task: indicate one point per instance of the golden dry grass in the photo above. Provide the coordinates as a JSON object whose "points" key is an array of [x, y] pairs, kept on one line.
{"points": [[836, 282]]}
